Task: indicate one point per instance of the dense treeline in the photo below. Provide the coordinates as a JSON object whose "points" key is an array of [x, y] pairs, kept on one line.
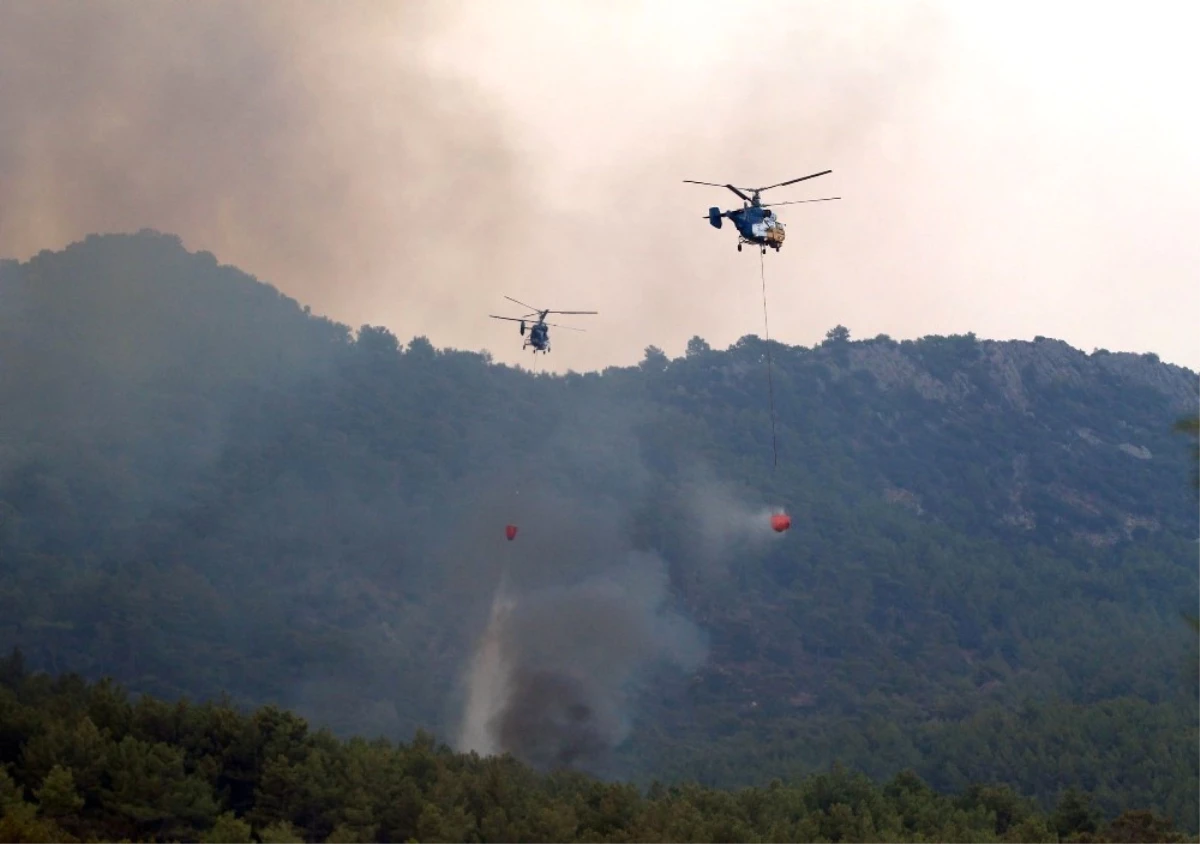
{"points": [[82, 762], [206, 489]]}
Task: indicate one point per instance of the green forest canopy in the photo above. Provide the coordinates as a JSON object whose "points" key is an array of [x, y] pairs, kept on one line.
{"points": [[82, 762]]}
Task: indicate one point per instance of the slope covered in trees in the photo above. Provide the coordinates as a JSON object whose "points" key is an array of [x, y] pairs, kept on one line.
{"points": [[82, 762], [204, 488]]}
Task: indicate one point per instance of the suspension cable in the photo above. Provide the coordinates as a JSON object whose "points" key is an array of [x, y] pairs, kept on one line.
{"points": [[762, 272]]}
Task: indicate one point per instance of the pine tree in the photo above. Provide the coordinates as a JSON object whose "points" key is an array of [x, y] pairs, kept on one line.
{"points": [[228, 829], [58, 797]]}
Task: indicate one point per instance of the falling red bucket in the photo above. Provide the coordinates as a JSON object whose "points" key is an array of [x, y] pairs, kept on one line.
{"points": [[780, 522], [511, 532]]}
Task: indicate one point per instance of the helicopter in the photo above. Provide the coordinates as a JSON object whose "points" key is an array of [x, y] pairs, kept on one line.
{"points": [[755, 223], [539, 332]]}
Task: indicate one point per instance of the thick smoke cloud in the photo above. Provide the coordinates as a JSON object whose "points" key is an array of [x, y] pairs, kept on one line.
{"points": [[407, 164], [586, 612], [309, 143], [384, 163], [554, 671]]}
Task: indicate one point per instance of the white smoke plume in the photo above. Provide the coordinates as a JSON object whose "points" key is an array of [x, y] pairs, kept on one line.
{"points": [[722, 523], [487, 681]]}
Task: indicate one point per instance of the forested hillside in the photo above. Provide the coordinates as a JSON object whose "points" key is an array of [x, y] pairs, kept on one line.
{"points": [[205, 488], [94, 765], [86, 763]]}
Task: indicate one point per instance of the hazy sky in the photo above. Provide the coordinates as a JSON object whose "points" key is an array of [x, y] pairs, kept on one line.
{"points": [[1007, 168]]}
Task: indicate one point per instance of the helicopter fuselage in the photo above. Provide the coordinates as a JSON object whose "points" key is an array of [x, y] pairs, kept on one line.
{"points": [[539, 337], [754, 224]]}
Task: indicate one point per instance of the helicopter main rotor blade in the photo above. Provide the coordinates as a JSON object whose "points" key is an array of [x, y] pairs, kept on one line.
{"points": [[564, 327], [572, 312], [522, 304], [793, 181], [715, 185], [798, 201], [738, 192], [510, 319]]}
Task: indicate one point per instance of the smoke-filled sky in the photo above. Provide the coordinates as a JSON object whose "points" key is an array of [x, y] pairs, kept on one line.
{"points": [[1007, 168]]}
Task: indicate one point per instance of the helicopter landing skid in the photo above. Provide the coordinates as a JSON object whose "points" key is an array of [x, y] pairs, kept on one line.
{"points": [[762, 247]]}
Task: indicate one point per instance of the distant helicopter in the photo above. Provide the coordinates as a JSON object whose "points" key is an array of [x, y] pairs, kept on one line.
{"points": [[539, 332], [754, 223]]}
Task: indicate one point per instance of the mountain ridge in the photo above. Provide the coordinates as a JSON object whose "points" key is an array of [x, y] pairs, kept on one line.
{"points": [[204, 487]]}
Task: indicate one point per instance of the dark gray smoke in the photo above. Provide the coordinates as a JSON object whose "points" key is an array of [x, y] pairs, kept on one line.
{"points": [[555, 672], [552, 721]]}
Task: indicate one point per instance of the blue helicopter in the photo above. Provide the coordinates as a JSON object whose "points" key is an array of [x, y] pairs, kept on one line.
{"points": [[754, 221], [539, 332]]}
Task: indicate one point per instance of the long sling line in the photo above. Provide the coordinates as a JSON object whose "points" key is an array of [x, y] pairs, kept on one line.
{"points": [[762, 272]]}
